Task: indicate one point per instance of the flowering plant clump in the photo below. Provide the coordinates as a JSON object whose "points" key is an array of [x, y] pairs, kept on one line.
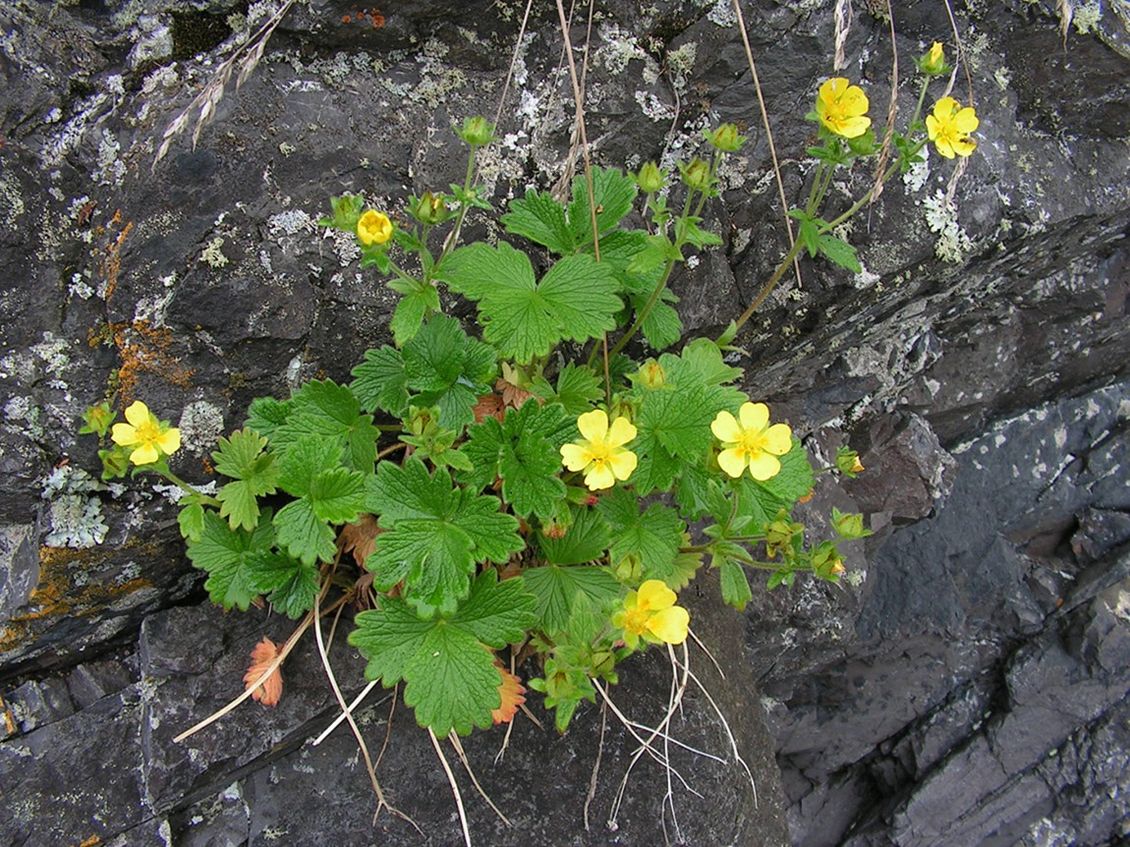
{"points": [[548, 482]]}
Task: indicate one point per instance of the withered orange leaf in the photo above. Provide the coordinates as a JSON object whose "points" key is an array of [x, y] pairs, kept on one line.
{"points": [[360, 538], [269, 692], [512, 694], [512, 395], [489, 406]]}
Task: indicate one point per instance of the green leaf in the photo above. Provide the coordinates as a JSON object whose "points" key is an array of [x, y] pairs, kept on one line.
{"points": [[448, 369], [679, 419], [452, 681], [330, 411], [228, 556], [517, 451], [653, 536], [434, 533], [699, 493], [795, 479], [578, 387], [190, 519], [735, 585], [410, 312], [657, 468], [613, 193], [662, 327], [556, 589], [576, 300], [290, 583], [337, 495], [585, 540], [380, 382], [266, 414], [541, 219], [301, 464], [303, 534], [839, 252], [241, 458]]}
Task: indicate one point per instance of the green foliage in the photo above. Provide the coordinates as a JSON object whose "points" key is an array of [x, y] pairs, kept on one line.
{"points": [[523, 318], [650, 539], [450, 677], [436, 533], [329, 412], [242, 459]]}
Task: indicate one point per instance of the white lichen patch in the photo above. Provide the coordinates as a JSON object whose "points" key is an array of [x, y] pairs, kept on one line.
{"points": [[11, 200], [201, 423], [212, 254], [1087, 15], [290, 222], [618, 48], [53, 352], [680, 64], [152, 307], [941, 217], [918, 173], [75, 515]]}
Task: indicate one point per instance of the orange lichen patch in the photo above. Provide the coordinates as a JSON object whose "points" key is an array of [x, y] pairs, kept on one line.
{"points": [[112, 261], [9, 719], [364, 17], [69, 586], [144, 348], [91, 842]]}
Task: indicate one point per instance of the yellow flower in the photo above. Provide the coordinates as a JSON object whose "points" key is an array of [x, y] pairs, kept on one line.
{"points": [[651, 613], [842, 108], [374, 228], [149, 437], [600, 453], [949, 128], [751, 443]]}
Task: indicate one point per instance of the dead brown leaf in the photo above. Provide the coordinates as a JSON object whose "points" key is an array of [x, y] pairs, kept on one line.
{"points": [[270, 690], [360, 538], [513, 696]]}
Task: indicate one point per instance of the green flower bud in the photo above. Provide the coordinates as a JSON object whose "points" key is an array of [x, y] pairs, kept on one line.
{"points": [[428, 209], [696, 174], [827, 563], [933, 61], [725, 138], [476, 131], [779, 535], [650, 178], [849, 525], [847, 460]]}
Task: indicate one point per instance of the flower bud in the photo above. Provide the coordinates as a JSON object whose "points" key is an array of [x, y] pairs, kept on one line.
{"points": [[428, 209], [650, 178], [476, 131], [827, 563], [696, 174], [847, 461], [779, 535], [849, 525], [725, 138], [650, 375], [933, 61]]}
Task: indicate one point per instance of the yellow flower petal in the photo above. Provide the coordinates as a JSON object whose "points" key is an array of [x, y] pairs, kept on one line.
{"points": [[754, 416], [763, 467], [593, 425], [944, 147], [654, 595], [944, 108], [123, 434], [621, 432], [933, 127], [169, 441], [670, 625], [966, 120], [725, 428], [964, 146], [778, 439], [575, 456], [146, 454], [832, 88], [854, 127], [623, 462], [854, 101], [600, 477], [732, 461], [138, 413]]}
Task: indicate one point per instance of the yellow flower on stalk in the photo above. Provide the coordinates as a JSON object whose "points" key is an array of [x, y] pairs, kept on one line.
{"points": [[949, 128], [842, 108], [751, 442], [374, 228], [600, 453], [149, 437], [650, 613]]}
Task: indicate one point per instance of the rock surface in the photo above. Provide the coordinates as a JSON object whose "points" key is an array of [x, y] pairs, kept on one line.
{"points": [[968, 684]]}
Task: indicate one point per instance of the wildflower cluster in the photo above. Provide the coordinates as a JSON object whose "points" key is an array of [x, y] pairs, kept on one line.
{"points": [[552, 481]]}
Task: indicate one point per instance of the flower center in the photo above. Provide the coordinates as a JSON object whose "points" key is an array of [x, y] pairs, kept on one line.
{"points": [[599, 452], [752, 443], [635, 620], [148, 432]]}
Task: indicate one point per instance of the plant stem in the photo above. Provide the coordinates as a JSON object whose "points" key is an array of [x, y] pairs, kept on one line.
{"points": [[188, 489], [453, 237], [770, 284], [641, 316]]}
